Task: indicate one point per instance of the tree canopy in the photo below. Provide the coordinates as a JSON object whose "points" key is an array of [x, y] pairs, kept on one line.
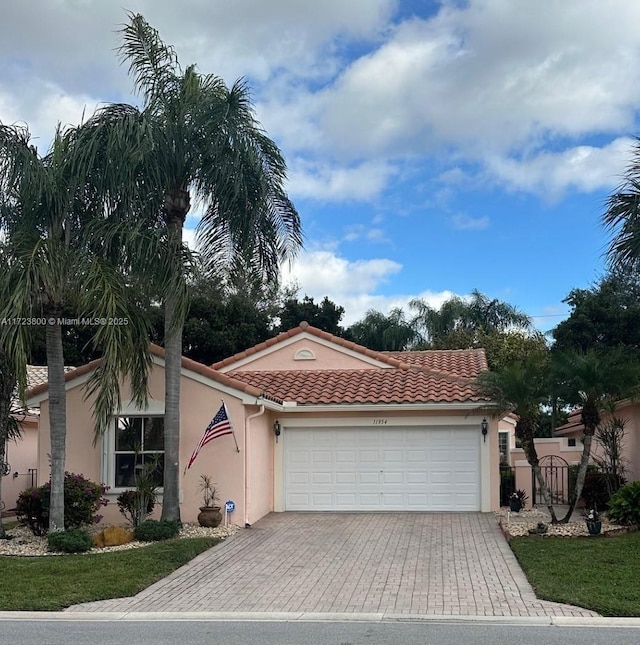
{"points": [[604, 316]]}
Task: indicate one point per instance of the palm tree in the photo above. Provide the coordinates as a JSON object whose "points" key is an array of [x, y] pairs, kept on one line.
{"points": [[52, 260], [194, 138], [622, 217], [487, 316], [383, 333], [521, 387], [463, 322], [595, 381]]}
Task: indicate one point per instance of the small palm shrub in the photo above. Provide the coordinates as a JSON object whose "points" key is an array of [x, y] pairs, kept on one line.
{"points": [[82, 499], [136, 505], [624, 506], [156, 530], [72, 541]]}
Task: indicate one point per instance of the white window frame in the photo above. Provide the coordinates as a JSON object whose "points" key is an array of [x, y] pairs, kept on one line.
{"points": [[504, 435], [154, 408]]}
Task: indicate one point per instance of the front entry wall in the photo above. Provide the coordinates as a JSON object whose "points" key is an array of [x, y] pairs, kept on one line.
{"points": [[410, 468]]}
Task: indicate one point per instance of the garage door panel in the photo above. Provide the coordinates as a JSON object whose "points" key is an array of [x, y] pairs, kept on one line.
{"points": [[392, 456], [345, 478], [345, 456], [302, 478], [319, 478], [299, 456], [369, 500], [392, 477], [416, 477], [413, 468], [369, 478]]}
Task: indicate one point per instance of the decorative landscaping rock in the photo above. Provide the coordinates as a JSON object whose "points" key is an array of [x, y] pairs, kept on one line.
{"points": [[24, 543], [113, 536], [527, 521]]}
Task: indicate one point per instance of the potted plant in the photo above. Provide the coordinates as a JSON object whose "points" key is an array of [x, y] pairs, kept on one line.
{"points": [[210, 515], [594, 524], [517, 500]]}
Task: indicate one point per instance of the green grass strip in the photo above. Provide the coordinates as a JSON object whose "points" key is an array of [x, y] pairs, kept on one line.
{"points": [[54, 583], [598, 573]]}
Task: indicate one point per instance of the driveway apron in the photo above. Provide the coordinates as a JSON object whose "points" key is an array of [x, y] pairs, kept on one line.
{"points": [[389, 563]]}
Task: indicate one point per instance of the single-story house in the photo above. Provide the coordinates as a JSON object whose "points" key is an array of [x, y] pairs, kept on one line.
{"points": [[22, 452], [629, 412], [321, 424]]}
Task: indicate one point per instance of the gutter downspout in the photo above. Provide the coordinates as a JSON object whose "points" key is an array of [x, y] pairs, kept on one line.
{"points": [[246, 464]]}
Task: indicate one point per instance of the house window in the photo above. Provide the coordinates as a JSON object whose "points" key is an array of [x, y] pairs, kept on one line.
{"points": [[571, 442], [503, 446], [138, 441]]}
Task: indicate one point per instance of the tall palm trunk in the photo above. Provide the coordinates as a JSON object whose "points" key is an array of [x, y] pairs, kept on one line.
{"points": [[57, 419], [172, 365], [176, 207], [589, 431], [7, 384], [525, 432], [3, 452]]}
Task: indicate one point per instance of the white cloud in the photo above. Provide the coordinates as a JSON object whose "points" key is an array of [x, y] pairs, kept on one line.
{"points": [[352, 285], [487, 75], [584, 168], [325, 182], [462, 222]]}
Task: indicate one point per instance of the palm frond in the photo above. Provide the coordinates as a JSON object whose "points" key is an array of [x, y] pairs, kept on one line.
{"points": [[152, 64]]}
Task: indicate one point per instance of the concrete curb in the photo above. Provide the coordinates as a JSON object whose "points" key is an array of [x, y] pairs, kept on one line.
{"points": [[557, 621]]}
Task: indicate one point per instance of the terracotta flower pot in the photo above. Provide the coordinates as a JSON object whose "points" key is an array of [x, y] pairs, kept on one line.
{"points": [[209, 516]]}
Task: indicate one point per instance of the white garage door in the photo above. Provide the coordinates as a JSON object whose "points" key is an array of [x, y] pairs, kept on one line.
{"points": [[382, 469]]}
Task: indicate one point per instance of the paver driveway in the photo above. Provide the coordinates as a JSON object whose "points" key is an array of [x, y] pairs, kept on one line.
{"points": [[388, 563]]}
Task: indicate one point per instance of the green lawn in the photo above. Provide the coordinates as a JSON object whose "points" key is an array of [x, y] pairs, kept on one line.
{"points": [[599, 573], [53, 583]]}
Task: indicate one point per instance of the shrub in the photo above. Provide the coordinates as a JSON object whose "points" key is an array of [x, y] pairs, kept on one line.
{"points": [[624, 506], [155, 530], [30, 510], [598, 488], [135, 505], [72, 541], [82, 499]]}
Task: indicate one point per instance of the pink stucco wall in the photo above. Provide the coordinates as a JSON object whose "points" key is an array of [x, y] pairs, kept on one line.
{"points": [[630, 413], [22, 454], [199, 403], [326, 358]]}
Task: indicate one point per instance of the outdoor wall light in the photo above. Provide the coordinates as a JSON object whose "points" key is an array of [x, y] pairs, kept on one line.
{"points": [[276, 429], [485, 429]]}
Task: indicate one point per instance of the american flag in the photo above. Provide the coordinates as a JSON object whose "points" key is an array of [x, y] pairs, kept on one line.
{"points": [[219, 426]]}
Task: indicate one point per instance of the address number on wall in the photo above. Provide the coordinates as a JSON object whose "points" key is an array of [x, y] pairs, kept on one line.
{"points": [[379, 422]]}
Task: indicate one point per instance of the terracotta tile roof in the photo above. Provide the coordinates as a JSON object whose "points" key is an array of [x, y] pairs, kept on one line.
{"points": [[361, 386], [459, 362], [574, 422], [187, 363], [38, 374]]}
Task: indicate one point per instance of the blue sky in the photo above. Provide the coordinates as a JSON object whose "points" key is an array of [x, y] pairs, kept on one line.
{"points": [[433, 147]]}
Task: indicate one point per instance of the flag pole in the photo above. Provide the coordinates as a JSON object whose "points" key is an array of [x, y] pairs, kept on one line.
{"points": [[233, 432]]}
